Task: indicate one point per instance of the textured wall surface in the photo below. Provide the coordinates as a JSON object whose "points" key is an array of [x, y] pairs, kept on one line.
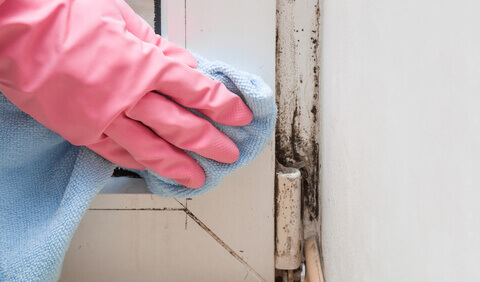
{"points": [[400, 104]]}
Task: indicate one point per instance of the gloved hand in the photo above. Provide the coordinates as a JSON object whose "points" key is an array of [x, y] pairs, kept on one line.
{"points": [[90, 71]]}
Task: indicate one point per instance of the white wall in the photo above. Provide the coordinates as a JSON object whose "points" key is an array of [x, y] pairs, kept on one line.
{"points": [[400, 104]]}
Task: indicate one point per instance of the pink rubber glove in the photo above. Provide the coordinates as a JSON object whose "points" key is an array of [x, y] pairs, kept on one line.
{"points": [[88, 70]]}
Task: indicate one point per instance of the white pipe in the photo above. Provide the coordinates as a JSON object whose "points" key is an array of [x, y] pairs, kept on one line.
{"points": [[289, 223]]}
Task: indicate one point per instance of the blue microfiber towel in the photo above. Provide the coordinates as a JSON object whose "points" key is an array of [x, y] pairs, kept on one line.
{"points": [[47, 184], [250, 139]]}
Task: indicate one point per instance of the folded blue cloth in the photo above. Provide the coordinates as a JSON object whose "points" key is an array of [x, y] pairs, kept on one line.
{"points": [[250, 139], [47, 184]]}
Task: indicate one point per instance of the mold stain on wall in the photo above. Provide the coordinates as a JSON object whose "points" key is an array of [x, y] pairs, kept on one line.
{"points": [[297, 93]]}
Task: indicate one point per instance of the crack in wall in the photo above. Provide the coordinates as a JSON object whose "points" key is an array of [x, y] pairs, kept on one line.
{"points": [[221, 242], [188, 213]]}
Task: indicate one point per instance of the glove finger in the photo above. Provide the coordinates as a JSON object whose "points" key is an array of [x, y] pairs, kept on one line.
{"points": [[192, 89], [111, 151], [143, 31], [155, 153], [183, 129]]}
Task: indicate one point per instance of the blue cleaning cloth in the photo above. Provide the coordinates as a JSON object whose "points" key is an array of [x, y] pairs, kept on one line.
{"points": [[250, 139], [47, 184]]}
